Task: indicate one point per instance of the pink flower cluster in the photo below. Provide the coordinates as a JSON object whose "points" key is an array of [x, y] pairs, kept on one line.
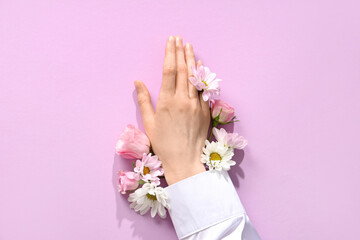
{"points": [[221, 112], [225, 112], [232, 140], [127, 181], [144, 179], [134, 144], [205, 81]]}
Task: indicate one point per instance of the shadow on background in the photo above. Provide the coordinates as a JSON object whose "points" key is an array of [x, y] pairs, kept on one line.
{"points": [[140, 224]]}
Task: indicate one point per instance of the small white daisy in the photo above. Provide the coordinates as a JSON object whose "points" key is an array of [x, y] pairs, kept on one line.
{"points": [[149, 196], [217, 156]]}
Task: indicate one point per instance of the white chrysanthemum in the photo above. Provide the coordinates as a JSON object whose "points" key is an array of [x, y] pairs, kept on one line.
{"points": [[217, 156], [149, 196]]}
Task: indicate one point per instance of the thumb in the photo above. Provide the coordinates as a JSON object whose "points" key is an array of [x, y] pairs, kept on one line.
{"points": [[146, 108]]}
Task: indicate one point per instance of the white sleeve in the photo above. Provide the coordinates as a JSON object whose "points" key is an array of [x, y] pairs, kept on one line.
{"points": [[207, 206]]}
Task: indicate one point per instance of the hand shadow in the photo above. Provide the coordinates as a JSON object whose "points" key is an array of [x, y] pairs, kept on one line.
{"points": [[142, 226], [236, 172]]}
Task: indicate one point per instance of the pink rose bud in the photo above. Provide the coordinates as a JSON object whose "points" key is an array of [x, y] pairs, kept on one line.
{"points": [[227, 112], [132, 143], [127, 181]]}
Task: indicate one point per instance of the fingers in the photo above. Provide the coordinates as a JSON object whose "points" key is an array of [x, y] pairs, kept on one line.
{"points": [[146, 108], [190, 61], [169, 68], [181, 69]]}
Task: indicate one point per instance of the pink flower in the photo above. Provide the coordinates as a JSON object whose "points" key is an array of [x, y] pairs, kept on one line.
{"points": [[205, 80], [132, 143], [149, 168], [127, 181], [225, 110], [232, 140]]}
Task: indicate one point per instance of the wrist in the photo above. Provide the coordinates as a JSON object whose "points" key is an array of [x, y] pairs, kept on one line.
{"points": [[175, 174]]}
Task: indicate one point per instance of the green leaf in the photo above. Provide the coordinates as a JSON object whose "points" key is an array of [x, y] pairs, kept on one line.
{"points": [[216, 120], [215, 123], [229, 122], [130, 191]]}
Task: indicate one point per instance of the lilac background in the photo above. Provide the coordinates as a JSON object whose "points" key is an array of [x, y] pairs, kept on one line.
{"points": [[290, 68]]}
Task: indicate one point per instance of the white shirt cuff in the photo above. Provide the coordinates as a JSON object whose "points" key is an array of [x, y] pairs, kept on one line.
{"points": [[201, 201]]}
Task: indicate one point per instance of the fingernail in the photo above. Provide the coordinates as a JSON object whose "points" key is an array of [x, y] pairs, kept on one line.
{"points": [[188, 45], [137, 84], [171, 38], [178, 39]]}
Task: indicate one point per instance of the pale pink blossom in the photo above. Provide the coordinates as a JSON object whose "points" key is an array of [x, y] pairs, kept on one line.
{"points": [[132, 143], [226, 112], [149, 168], [127, 181], [232, 140], [206, 81]]}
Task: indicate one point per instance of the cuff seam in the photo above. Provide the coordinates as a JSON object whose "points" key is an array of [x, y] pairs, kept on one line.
{"points": [[186, 179]]}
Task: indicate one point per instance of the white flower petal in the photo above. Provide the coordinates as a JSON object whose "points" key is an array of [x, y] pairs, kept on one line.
{"points": [[210, 77], [154, 210], [223, 151], [162, 212], [140, 201], [145, 210], [220, 134]]}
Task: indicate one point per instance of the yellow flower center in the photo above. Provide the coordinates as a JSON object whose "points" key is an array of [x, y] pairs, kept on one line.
{"points": [[146, 170], [215, 156], [151, 197], [204, 83]]}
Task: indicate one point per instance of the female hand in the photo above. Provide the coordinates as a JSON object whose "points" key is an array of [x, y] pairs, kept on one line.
{"points": [[178, 128]]}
